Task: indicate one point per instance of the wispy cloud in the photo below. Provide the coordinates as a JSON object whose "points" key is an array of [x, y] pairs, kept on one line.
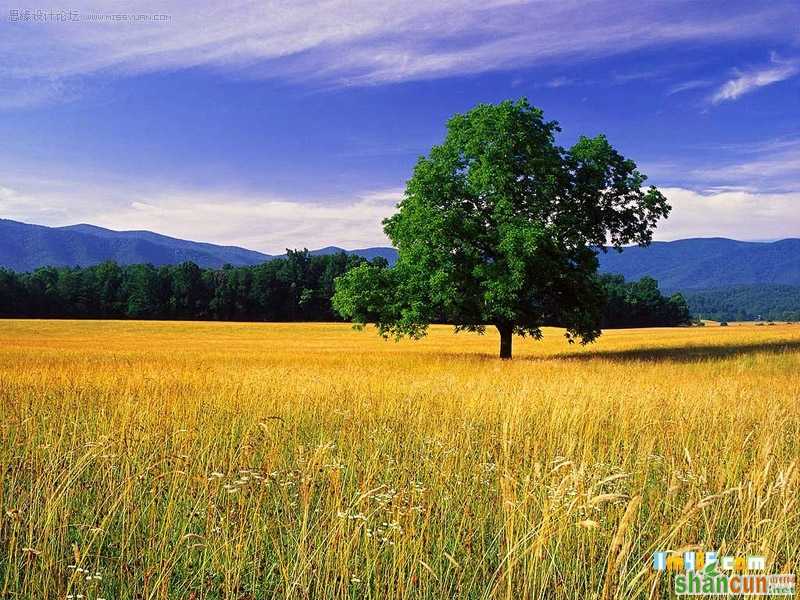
{"points": [[765, 166], [613, 79], [623, 78], [771, 165], [558, 82], [362, 42], [685, 86], [749, 81], [36, 91]]}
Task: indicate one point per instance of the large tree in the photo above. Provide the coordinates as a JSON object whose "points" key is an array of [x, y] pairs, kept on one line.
{"points": [[501, 226]]}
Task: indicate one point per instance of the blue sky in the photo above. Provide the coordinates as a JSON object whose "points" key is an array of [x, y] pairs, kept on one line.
{"points": [[274, 125]]}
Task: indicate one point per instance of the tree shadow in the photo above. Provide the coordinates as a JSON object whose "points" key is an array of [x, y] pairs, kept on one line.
{"points": [[679, 354]]}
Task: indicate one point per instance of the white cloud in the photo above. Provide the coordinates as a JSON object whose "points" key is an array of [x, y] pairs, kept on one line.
{"points": [[344, 42], [746, 82], [737, 214], [258, 222], [271, 224]]}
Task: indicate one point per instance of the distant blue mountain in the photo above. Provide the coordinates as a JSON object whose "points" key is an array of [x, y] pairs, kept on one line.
{"points": [[24, 247], [705, 263], [692, 264]]}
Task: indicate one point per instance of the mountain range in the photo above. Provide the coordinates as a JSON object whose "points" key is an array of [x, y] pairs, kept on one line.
{"points": [[691, 264], [25, 247], [705, 263]]}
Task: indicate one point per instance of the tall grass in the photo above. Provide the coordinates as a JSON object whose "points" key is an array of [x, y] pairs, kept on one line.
{"points": [[189, 460]]}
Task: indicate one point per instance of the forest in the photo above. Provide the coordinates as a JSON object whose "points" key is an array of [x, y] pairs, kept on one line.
{"points": [[763, 302], [295, 288]]}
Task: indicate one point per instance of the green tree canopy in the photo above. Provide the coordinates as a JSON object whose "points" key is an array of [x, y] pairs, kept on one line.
{"points": [[500, 226]]}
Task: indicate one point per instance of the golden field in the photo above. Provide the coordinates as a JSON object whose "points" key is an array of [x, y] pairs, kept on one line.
{"points": [[248, 461]]}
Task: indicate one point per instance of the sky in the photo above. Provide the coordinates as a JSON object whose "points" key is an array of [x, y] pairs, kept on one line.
{"points": [[296, 124]]}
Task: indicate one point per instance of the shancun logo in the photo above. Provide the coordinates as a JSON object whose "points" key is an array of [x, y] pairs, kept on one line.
{"points": [[708, 574]]}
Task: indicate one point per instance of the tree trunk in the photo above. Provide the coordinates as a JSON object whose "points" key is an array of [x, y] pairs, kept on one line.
{"points": [[506, 336]]}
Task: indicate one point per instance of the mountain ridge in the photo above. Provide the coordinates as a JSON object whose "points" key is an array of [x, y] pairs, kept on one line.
{"points": [[27, 246], [703, 263], [688, 264]]}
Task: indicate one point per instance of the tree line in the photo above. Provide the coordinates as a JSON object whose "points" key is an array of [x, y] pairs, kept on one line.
{"points": [[767, 302], [296, 288]]}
